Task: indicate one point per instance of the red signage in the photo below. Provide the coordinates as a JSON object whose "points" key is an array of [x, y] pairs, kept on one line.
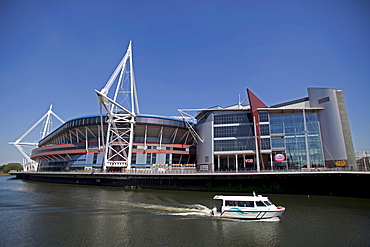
{"points": [[279, 157]]}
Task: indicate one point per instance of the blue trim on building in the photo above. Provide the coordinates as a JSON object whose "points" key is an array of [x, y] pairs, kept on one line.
{"points": [[139, 115]]}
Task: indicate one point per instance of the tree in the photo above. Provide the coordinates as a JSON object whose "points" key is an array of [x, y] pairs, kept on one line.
{"points": [[10, 166]]}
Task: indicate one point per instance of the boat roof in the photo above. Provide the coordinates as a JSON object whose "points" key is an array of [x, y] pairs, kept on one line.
{"points": [[240, 198]]}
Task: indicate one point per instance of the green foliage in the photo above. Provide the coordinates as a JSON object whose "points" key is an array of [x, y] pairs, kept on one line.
{"points": [[10, 166]]}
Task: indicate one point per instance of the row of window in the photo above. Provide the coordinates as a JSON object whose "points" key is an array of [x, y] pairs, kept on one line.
{"points": [[161, 148], [36, 151], [233, 118], [152, 158], [247, 203], [235, 145], [234, 131], [294, 124]]}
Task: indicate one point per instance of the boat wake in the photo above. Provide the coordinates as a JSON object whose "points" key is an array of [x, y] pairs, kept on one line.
{"points": [[189, 210], [183, 210]]}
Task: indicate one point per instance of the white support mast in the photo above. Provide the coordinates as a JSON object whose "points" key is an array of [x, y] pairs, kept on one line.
{"points": [[28, 163], [121, 120]]}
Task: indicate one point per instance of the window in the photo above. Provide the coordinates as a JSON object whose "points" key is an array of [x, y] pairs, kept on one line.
{"points": [[263, 116], [235, 145], [167, 158], [323, 100], [265, 143], [154, 158], [239, 203], [265, 129], [233, 118], [233, 131], [268, 203], [95, 158], [151, 158], [278, 142], [260, 204]]}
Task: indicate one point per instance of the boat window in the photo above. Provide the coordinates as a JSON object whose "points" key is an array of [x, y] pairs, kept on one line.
{"points": [[231, 203], [268, 203], [248, 204], [260, 204], [239, 203]]}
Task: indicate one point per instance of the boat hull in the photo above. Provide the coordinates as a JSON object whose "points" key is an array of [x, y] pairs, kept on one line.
{"points": [[237, 213]]}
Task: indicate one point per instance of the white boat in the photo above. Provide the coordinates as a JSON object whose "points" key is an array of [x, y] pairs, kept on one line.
{"points": [[246, 207]]}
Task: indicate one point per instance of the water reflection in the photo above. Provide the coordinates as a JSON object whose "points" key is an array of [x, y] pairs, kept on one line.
{"points": [[41, 214]]}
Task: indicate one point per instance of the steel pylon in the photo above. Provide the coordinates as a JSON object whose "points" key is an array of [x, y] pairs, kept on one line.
{"points": [[121, 120], [28, 163]]}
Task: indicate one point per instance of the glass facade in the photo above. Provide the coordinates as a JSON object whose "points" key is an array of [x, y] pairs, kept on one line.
{"points": [[233, 131], [231, 118], [237, 135], [265, 129], [263, 116], [235, 145], [289, 136], [265, 143]]}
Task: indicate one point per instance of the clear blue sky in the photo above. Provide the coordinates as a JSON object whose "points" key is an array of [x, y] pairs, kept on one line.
{"points": [[187, 54]]}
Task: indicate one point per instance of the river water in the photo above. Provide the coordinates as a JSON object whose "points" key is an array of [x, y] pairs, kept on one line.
{"points": [[42, 214]]}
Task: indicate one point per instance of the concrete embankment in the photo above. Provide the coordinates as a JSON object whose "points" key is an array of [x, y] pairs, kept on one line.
{"points": [[336, 183]]}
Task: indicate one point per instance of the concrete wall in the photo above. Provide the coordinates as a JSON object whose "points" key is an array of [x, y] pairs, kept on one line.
{"points": [[205, 148], [330, 123], [346, 129]]}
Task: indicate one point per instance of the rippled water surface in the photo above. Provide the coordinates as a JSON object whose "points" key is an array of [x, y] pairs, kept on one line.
{"points": [[42, 214]]}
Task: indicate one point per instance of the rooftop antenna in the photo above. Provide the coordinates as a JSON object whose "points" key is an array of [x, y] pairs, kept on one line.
{"points": [[28, 163], [241, 102]]}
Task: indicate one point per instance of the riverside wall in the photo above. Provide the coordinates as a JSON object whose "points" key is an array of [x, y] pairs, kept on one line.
{"points": [[335, 183]]}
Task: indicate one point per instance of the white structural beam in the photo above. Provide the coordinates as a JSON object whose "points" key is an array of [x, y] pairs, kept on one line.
{"points": [[186, 117], [29, 164]]}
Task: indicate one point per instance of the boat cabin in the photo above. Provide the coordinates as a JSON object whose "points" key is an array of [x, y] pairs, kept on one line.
{"points": [[244, 201]]}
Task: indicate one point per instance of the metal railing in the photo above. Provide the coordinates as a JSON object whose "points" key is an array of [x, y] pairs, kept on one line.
{"points": [[160, 171]]}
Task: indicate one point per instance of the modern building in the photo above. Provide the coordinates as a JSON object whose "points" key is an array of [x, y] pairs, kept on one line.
{"points": [[311, 132]]}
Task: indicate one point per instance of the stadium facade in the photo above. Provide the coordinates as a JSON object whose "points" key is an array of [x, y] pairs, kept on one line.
{"points": [[307, 133], [78, 144]]}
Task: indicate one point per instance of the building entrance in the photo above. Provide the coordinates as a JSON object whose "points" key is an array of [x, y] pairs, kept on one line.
{"points": [[235, 163]]}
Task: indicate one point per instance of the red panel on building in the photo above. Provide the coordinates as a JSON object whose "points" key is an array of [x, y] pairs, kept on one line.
{"points": [[256, 103]]}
